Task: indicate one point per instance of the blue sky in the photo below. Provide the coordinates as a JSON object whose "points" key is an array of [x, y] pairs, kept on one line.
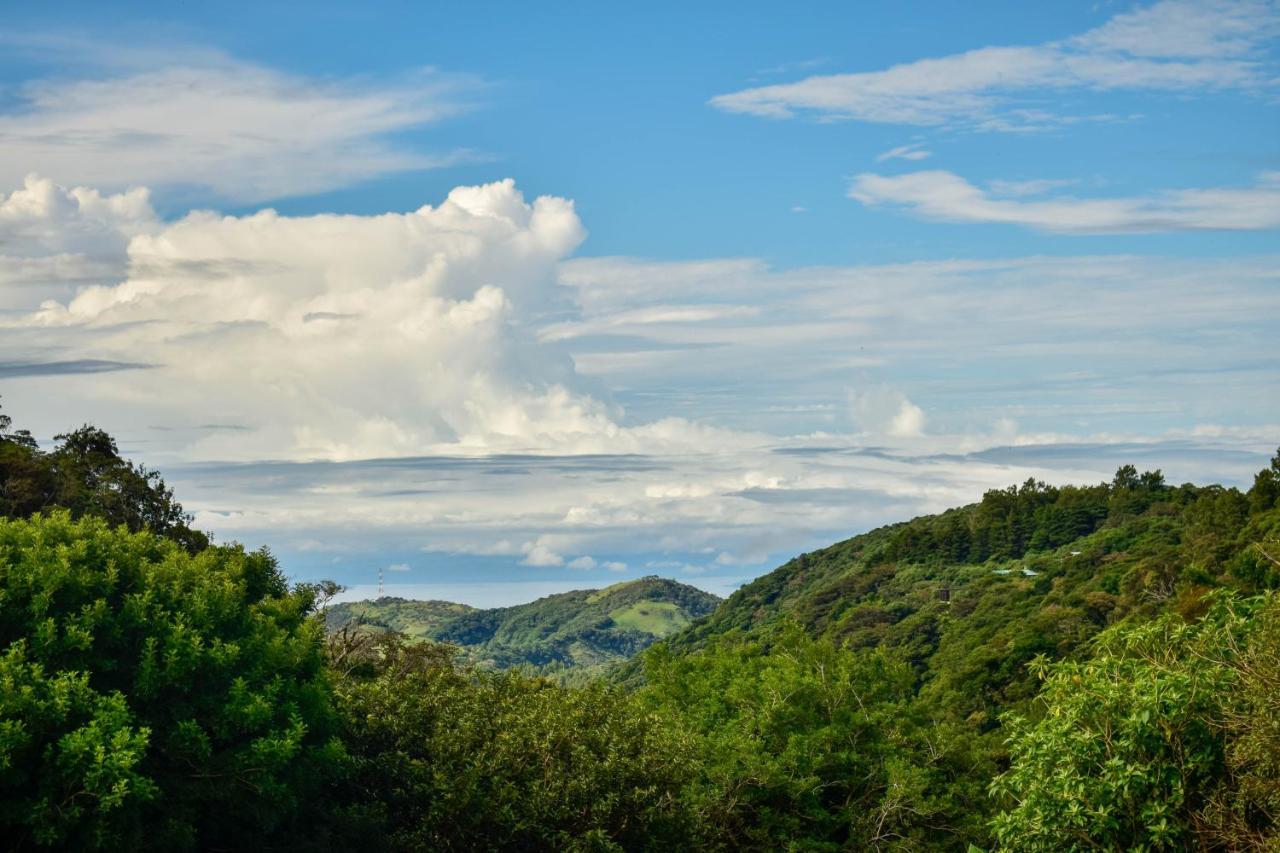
{"points": [[780, 275]]}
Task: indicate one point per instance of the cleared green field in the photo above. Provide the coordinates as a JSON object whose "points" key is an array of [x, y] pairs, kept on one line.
{"points": [[659, 618], [417, 619]]}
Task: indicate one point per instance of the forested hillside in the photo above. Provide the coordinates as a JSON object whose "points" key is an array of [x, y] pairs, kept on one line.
{"points": [[578, 630], [1089, 555], [1092, 667], [955, 621]]}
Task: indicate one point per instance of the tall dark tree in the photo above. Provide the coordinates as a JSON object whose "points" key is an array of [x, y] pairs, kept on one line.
{"points": [[1265, 493], [86, 474]]}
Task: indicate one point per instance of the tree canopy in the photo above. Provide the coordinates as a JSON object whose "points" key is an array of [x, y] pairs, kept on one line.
{"points": [[86, 475], [150, 698]]}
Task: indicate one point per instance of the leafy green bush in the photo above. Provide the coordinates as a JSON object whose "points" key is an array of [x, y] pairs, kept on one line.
{"points": [[1244, 813], [1128, 747], [150, 698]]}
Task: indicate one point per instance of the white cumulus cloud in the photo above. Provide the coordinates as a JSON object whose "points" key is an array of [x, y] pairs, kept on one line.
{"points": [[541, 555], [53, 238], [339, 336], [886, 412]]}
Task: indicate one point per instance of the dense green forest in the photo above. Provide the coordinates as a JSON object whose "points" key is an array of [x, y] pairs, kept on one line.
{"points": [[1092, 667], [578, 633]]}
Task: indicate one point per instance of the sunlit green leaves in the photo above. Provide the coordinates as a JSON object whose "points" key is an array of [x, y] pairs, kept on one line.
{"points": [[150, 698], [1127, 746]]}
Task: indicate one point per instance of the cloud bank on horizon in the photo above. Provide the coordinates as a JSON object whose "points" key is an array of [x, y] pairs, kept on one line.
{"points": [[462, 391]]}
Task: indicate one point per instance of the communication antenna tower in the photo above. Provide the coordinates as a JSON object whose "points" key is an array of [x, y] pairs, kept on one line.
{"points": [[379, 582]]}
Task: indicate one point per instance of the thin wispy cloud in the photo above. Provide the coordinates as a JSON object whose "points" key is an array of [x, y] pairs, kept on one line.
{"points": [[1035, 186], [1065, 339], [945, 197], [792, 67], [913, 151], [1175, 46], [243, 131], [14, 369]]}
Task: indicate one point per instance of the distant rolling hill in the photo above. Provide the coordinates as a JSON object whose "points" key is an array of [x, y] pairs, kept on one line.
{"points": [[581, 630]]}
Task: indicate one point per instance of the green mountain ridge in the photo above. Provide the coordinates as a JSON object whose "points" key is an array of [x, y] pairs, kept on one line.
{"points": [[1103, 552], [580, 630]]}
